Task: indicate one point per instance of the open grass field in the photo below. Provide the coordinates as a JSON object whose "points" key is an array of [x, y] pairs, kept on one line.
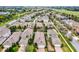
{"points": [[75, 13]]}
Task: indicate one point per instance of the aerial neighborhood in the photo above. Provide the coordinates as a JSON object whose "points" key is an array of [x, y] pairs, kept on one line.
{"points": [[41, 29]]}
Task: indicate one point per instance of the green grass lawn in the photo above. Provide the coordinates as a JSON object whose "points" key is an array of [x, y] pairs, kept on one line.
{"points": [[64, 46], [75, 13], [15, 17], [1, 47], [14, 48], [71, 14], [2, 24], [30, 48], [68, 41]]}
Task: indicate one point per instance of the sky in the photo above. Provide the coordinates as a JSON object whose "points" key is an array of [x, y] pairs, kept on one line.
{"points": [[39, 2]]}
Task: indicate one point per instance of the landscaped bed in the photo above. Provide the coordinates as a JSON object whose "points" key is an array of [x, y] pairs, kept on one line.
{"points": [[14, 48]]}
